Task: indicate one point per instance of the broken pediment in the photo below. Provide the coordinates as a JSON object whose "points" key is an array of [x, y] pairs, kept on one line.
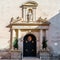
{"points": [[17, 20], [43, 21]]}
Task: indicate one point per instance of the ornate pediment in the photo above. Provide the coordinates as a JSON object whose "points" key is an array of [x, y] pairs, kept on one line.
{"points": [[30, 3]]}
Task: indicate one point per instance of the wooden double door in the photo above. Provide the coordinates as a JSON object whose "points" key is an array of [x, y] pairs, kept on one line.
{"points": [[29, 45]]}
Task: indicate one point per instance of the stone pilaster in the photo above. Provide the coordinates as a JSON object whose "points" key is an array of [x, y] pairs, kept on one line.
{"points": [[11, 38]]}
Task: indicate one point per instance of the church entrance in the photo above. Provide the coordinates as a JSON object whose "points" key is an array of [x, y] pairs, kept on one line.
{"points": [[29, 45]]}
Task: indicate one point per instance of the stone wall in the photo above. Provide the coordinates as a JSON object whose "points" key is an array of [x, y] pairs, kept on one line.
{"points": [[11, 55]]}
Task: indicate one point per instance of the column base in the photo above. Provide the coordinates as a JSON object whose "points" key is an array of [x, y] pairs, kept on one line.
{"points": [[44, 50], [15, 54]]}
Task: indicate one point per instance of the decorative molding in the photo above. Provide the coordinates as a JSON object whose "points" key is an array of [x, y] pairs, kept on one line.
{"points": [[30, 27]]}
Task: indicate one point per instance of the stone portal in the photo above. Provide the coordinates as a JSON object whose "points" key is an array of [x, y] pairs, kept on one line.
{"points": [[28, 30]]}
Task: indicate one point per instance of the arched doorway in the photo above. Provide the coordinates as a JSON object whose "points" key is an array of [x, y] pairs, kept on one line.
{"points": [[29, 45]]}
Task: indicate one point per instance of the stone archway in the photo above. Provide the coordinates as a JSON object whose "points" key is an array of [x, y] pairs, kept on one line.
{"points": [[29, 45]]}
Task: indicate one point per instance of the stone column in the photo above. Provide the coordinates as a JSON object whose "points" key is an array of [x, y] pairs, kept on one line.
{"points": [[20, 42], [19, 38], [19, 34], [41, 38], [24, 14], [16, 30], [13, 36], [34, 14], [44, 33]]}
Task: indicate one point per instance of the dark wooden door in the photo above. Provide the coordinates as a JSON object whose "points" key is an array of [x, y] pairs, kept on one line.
{"points": [[29, 45]]}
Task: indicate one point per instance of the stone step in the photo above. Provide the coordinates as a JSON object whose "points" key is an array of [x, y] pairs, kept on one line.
{"points": [[44, 55], [10, 59], [30, 58]]}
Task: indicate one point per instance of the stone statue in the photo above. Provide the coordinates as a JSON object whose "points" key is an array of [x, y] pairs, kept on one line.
{"points": [[15, 44], [30, 15], [44, 43]]}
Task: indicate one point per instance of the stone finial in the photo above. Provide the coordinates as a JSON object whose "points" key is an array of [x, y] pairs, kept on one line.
{"points": [[45, 18], [21, 19], [18, 17], [11, 19], [40, 18]]}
